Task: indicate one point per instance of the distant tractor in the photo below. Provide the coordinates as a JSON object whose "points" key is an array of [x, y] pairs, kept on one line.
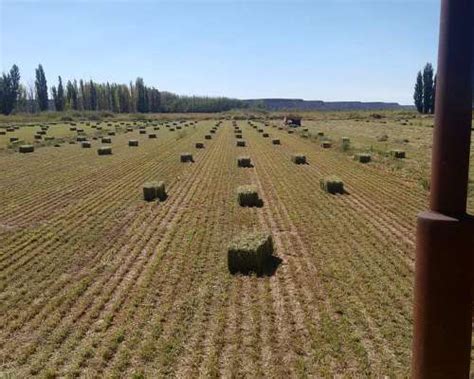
{"points": [[292, 121]]}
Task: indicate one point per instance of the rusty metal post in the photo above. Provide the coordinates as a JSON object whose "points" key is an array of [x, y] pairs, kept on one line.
{"points": [[445, 234]]}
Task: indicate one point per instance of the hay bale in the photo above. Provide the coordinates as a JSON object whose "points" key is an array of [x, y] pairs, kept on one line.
{"points": [[298, 158], [345, 140], [247, 196], [129, 130], [363, 157], [85, 144], [250, 252], [212, 131], [142, 131], [382, 138], [238, 136], [104, 150], [399, 154], [199, 145], [326, 144], [106, 140], [320, 134], [276, 141], [133, 143], [154, 190], [81, 138], [241, 143], [26, 149], [2, 132], [152, 135], [38, 136], [208, 136], [260, 130], [332, 185], [244, 162], [265, 135], [13, 139], [186, 157], [291, 131]]}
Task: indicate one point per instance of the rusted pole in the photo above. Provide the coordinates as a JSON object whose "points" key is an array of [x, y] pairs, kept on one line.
{"points": [[445, 234]]}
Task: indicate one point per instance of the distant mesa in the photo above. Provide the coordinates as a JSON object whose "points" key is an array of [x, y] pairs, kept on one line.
{"points": [[316, 105]]}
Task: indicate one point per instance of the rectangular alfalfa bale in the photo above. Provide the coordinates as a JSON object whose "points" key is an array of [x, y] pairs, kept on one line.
{"points": [[291, 131], [250, 252], [276, 141], [104, 150], [106, 140], [265, 135], [199, 145], [152, 135], [26, 149], [81, 138], [260, 130], [2, 132], [298, 158], [332, 185], [238, 136], [208, 136], [241, 143], [154, 190], [399, 154], [212, 131], [13, 139], [186, 157], [247, 196], [38, 136], [363, 158], [326, 144], [133, 143], [142, 131], [129, 130], [156, 128], [85, 144], [244, 162]]}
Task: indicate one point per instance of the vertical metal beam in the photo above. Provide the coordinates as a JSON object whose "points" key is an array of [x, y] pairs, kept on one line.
{"points": [[445, 234]]}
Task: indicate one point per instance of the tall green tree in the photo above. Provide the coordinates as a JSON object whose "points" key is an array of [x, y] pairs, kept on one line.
{"points": [[434, 94], [61, 101], [93, 96], [418, 95], [9, 90], [41, 89], [428, 85]]}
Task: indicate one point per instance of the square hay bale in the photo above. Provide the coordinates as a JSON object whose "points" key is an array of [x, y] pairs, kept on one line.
{"points": [[363, 157], [186, 157], [152, 135], [238, 136], [85, 144], [38, 136], [26, 149], [104, 150], [41, 132], [142, 131], [326, 144], [72, 129], [250, 252], [265, 135], [199, 145], [399, 154], [208, 136], [81, 138], [345, 140], [244, 162], [13, 139], [154, 190], [260, 130], [298, 158], [241, 143], [247, 196], [306, 130], [212, 131], [129, 130], [106, 140], [171, 129], [276, 141], [2, 132], [320, 134], [133, 143], [382, 138], [332, 185], [156, 128], [291, 131]]}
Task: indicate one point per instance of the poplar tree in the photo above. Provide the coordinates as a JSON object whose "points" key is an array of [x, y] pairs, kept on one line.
{"points": [[41, 89]]}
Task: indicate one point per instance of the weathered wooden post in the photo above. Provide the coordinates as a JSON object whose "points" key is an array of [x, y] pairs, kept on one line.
{"points": [[445, 234]]}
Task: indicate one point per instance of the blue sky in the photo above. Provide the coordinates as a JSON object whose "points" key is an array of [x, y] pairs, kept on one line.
{"points": [[319, 50]]}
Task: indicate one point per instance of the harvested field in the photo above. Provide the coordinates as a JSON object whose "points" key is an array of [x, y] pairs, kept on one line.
{"points": [[97, 282]]}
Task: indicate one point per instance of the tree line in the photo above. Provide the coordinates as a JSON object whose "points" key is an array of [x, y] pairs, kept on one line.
{"points": [[425, 90], [87, 95]]}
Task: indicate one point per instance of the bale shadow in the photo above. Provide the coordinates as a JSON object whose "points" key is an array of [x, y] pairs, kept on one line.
{"points": [[270, 267], [162, 198]]}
